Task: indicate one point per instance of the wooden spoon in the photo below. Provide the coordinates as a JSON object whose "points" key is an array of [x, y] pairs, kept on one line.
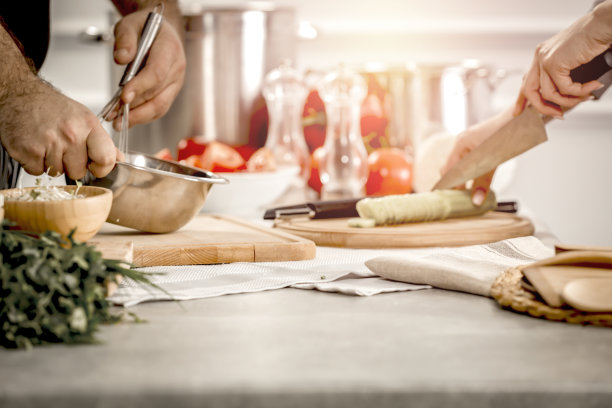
{"points": [[589, 295]]}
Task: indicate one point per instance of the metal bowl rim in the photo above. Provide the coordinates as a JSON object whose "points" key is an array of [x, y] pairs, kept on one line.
{"points": [[214, 178]]}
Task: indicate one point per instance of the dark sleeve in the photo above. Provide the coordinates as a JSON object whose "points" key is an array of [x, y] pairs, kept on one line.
{"points": [[28, 23]]}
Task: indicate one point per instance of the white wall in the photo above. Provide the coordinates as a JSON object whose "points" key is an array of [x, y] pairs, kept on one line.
{"points": [[565, 182]]}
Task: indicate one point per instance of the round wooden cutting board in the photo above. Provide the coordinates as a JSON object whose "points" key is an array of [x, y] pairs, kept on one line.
{"points": [[482, 229]]}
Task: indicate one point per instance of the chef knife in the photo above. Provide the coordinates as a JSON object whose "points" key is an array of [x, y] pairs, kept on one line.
{"points": [[341, 209], [519, 134]]}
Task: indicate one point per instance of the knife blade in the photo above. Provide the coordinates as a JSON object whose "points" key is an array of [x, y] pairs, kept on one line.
{"points": [[520, 134], [342, 209], [515, 137]]}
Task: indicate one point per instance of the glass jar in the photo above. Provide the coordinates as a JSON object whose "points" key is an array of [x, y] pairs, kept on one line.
{"points": [[343, 166], [285, 93]]}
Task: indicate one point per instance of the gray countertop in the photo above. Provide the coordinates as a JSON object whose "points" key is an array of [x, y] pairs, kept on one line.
{"points": [[302, 348]]}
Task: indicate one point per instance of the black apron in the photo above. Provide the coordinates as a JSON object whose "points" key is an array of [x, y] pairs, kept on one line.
{"points": [[28, 23]]}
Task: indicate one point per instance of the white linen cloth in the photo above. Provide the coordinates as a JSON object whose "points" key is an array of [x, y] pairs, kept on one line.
{"points": [[470, 269], [340, 270]]}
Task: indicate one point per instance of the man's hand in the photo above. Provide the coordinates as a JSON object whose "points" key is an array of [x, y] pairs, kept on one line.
{"points": [[45, 130], [151, 92]]}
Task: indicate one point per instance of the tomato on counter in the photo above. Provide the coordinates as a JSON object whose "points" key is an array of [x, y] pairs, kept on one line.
{"points": [[220, 157], [261, 160], [190, 147], [164, 154], [389, 172], [245, 150]]}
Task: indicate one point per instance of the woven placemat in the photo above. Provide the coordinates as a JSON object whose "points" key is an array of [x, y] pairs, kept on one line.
{"points": [[510, 293]]}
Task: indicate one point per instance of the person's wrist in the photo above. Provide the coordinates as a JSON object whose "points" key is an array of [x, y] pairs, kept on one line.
{"points": [[602, 20]]}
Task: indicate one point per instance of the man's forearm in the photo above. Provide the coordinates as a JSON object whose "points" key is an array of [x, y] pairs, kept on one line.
{"points": [[15, 71]]}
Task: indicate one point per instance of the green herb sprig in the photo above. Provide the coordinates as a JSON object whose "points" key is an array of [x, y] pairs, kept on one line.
{"points": [[53, 290]]}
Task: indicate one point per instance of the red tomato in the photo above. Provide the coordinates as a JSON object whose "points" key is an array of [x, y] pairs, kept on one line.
{"points": [[193, 161], [219, 157], [314, 121], [246, 151], [164, 154], [314, 181], [390, 172], [261, 160], [189, 147]]}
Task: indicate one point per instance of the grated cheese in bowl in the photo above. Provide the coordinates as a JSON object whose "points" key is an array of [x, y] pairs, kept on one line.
{"points": [[45, 191]]}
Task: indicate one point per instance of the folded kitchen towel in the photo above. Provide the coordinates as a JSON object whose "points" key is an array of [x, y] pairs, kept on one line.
{"points": [[470, 269], [339, 270]]}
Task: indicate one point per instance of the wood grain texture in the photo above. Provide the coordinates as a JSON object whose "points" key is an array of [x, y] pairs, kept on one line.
{"points": [[490, 227], [86, 214], [209, 239]]}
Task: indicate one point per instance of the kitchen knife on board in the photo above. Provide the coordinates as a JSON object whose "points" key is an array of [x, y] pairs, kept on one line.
{"points": [[521, 133], [341, 209]]}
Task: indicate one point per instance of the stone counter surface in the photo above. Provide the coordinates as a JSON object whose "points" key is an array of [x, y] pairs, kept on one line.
{"points": [[300, 348]]}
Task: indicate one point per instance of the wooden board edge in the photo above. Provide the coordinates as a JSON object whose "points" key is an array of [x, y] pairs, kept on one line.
{"points": [[301, 251], [348, 239], [262, 228], [193, 255]]}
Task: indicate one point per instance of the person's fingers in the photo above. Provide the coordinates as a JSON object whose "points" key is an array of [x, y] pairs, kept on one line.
{"points": [[101, 152], [531, 87], [150, 81], [119, 156], [31, 156], [519, 105], [481, 187], [126, 41], [33, 166], [549, 95], [566, 86], [53, 161], [153, 109], [75, 160]]}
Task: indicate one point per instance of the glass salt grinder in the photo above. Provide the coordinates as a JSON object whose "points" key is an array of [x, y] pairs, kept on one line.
{"points": [[285, 93], [343, 167]]}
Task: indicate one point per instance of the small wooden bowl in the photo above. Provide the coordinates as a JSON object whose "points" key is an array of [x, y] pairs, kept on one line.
{"points": [[86, 214]]}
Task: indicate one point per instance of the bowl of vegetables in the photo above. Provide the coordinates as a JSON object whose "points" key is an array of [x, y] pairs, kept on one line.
{"points": [[64, 209], [255, 179]]}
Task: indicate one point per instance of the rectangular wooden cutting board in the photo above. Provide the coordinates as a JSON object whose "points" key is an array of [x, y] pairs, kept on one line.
{"points": [[207, 239]]}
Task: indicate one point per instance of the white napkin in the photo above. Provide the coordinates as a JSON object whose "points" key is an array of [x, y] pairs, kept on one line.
{"points": [[339, 270], [470, 269]]}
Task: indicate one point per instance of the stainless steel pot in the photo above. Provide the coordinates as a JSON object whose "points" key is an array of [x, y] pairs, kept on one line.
{"points": [[228, 53], [425, 99], [452, 97]]}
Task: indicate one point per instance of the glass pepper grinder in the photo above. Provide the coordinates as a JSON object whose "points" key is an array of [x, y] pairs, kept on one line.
{"points": [[285, 93], [343, 167]]}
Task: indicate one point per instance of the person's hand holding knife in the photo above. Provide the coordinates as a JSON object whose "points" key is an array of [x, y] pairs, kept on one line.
{"points": [[548, 85]]}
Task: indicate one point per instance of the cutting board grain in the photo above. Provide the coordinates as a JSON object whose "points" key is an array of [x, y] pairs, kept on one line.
{"points": [[490, 227], [208, 239]]}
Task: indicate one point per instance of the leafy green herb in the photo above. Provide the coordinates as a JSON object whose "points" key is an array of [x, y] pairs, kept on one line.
{"points": [[53, 289]]}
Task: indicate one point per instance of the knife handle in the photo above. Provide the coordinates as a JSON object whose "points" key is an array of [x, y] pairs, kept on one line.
{"points": [[593, 70]]}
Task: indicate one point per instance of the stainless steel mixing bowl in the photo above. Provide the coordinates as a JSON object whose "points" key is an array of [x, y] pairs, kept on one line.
{"points": [[155, 195]]}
